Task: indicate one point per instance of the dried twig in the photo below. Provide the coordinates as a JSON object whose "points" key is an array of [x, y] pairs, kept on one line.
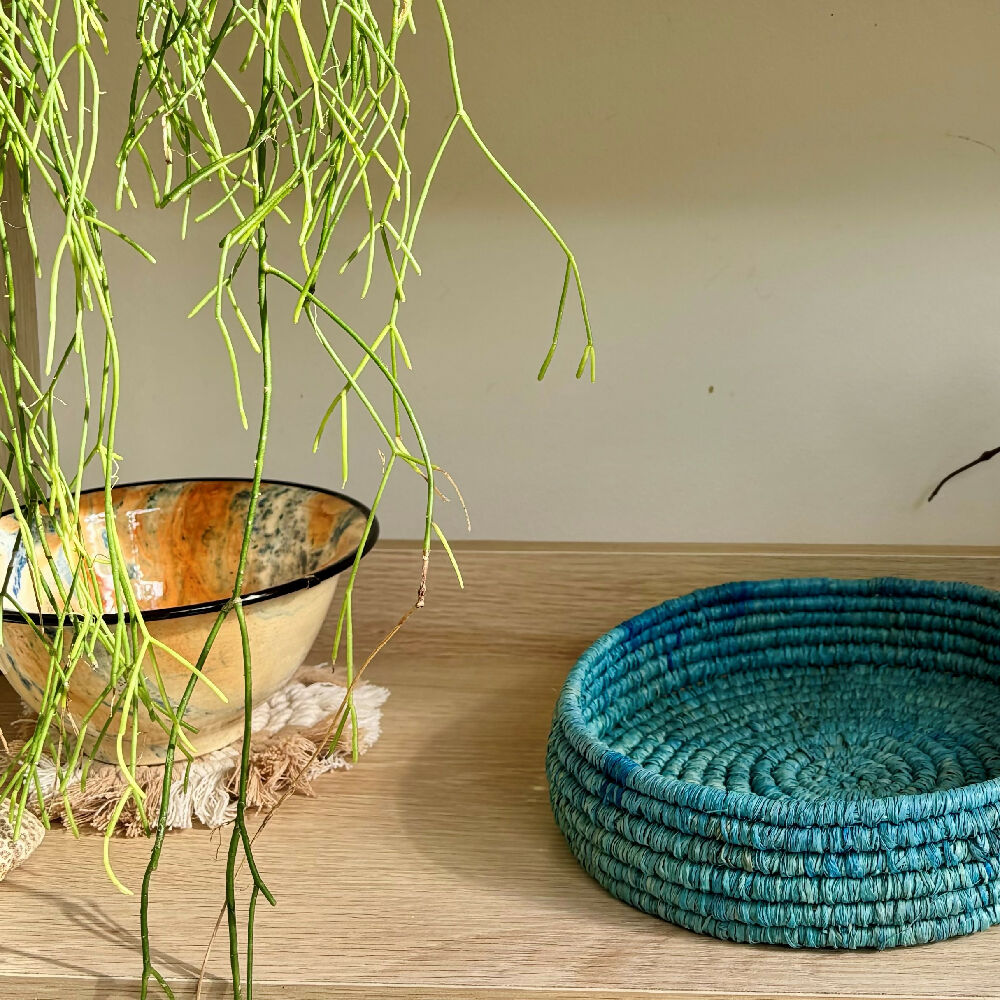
{"points": [[985, 457]]}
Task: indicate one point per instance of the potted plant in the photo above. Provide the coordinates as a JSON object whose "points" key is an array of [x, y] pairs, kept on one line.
{"points": [[324, 114]]}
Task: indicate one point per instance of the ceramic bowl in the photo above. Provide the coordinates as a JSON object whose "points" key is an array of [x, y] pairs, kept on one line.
{"points": [[181, 540]]}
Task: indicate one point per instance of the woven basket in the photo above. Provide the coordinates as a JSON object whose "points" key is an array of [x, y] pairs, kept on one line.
{"points": [[808, 762]]}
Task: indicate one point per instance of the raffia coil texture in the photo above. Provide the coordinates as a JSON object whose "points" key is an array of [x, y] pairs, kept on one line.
{"points": [[809, 762]]}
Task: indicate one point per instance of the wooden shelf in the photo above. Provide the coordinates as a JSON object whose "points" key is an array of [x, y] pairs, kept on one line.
{"points": [[434, 869]]}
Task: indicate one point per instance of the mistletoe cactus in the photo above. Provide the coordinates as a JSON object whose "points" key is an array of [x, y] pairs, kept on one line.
{"points": [[322, 113]]}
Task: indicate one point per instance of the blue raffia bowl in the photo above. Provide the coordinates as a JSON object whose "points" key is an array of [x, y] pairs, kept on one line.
{"points": [[814, 763]]}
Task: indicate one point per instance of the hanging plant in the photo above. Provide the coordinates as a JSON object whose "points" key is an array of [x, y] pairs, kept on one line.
{"points": [[325, 114]]}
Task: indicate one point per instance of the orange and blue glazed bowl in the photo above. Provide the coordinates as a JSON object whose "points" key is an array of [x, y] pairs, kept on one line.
{"points": [[181, 540]]}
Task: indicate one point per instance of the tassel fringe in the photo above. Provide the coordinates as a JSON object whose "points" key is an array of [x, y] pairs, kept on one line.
{"points": [[287, 731]]}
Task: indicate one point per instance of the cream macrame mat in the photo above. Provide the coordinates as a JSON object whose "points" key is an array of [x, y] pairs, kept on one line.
{"points": [[288, 729]]}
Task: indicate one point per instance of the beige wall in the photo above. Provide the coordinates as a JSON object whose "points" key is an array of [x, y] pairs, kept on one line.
{"points": [[773, 199]]}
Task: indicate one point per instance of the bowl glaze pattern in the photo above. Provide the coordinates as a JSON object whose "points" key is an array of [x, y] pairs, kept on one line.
{"points": [[181, 541]]}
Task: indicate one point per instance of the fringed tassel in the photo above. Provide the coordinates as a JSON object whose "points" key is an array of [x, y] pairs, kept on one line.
{"points": [[288, 731]]}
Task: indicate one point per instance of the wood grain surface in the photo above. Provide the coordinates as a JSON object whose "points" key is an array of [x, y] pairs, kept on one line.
{"points": [[434, 869]]}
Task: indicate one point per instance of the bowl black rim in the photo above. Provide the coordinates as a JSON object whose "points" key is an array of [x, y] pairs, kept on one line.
{"points": [[48, 620]]}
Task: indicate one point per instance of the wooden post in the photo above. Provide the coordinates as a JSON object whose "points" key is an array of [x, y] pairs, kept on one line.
{"points": [[24, 282], [23, 279]]}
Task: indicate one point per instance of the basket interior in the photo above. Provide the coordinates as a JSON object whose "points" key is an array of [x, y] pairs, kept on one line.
{"points": [[803, 696]]}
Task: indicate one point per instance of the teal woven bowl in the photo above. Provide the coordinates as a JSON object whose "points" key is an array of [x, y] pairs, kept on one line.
{"points": [[811, 762]]}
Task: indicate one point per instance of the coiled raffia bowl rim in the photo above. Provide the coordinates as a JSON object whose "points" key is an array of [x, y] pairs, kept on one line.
{"points": [[749, 806]]}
